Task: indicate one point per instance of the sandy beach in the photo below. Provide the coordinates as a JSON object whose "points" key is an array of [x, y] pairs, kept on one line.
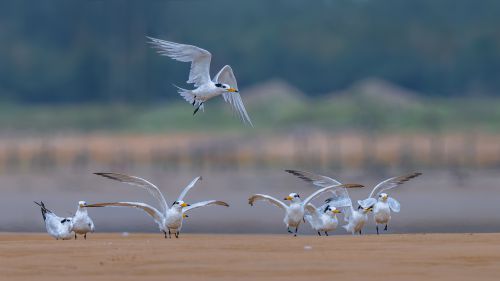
{"points": [[248, 257]]}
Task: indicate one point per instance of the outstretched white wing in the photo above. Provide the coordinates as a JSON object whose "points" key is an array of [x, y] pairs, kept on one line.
{"points": [[199, 58], [226, 76], [136, 181], [155, 214], [392, 183], [188, 187], [203, 204], [394, 204], [267, 198], [328, 188], [368, 202], [311, 209]]}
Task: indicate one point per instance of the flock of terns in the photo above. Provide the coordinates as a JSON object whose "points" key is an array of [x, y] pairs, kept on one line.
{"points": [[323, 219], [169, 218]]}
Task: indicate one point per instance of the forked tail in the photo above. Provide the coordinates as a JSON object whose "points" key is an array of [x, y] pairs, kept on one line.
{"points": [[191, 98], [43, 209]]}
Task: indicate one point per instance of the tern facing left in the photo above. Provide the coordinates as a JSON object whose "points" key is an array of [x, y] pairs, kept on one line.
{"points": [[294, 213], [224, 82], [383, 206], [82, 223], [57, 227]]}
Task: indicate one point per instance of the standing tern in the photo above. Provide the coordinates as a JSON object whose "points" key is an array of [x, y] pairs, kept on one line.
{"points": [[294, 213], [57, 227], [168, 219], [384, 205], [224, 82], [322, 219], [340, 199], [82, 223]]}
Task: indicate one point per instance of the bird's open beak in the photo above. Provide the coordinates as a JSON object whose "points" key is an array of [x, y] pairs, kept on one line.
{"points": [[336, 211], [288, 198], [232, 90], [184, 204]]}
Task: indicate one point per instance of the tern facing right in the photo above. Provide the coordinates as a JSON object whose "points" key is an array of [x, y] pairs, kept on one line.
{"points": [[168, 219], [294, 213], [57, 227], [383, 206], [82, 223], [224, 82], [322, 219]]}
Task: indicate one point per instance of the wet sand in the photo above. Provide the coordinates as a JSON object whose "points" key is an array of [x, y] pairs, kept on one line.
{"points": [[250, 257]]}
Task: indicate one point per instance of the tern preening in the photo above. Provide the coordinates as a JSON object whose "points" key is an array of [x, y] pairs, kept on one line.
{"points": [[168, 218], [223, 83], [57, 227], [340, 199], [82, 223], [383, 206], [294, 213]]}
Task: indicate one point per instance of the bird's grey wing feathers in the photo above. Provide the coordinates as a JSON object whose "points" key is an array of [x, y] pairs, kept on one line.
{"points": [[392, 183], [199, 58], [136, 181], [204, 204], [226, 76]]}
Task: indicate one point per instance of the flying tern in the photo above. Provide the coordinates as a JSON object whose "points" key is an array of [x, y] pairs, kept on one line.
{"points": [[168, 218], [82, 223], [57, 227], [383, 205], [223, 83]]}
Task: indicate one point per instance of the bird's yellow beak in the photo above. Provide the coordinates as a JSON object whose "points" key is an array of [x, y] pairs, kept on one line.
{"points": [[232, 90], [184, 204], [336, 211], [184, 215], [288, 198]]}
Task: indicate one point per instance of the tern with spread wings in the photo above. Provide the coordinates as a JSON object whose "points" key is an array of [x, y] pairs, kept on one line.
{"points": [[224, 82], [340, 200], [383, 206], [168, 218], [294, 213]]}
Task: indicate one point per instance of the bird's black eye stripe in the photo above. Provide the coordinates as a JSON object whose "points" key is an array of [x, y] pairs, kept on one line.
{"points": [[218, 85]]}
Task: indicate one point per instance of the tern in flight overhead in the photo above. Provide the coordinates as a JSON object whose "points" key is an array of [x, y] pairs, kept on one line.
{"points": [[224, 82], [168, 218], [383, 206], [57, 227]]}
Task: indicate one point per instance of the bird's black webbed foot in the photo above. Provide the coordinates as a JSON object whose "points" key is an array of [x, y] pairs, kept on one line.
{"points": [[319, 233], [289, 231], [385, 229], [326, 233]]}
